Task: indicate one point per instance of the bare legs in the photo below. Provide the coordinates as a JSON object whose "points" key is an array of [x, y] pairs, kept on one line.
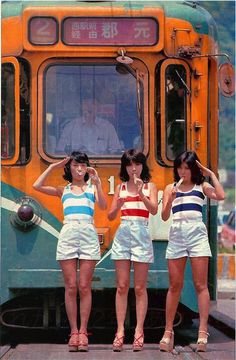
{"points": [[123, 281], [69, 269], [140, 285], [200, 275], [176, 269]]}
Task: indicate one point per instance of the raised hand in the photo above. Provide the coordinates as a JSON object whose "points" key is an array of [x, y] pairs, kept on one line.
{"points": [[93, 175], [139, 183], [61, 163], [205, 171]]}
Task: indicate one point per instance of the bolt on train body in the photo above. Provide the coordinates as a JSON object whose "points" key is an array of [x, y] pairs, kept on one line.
{"points": [[153, 68]]}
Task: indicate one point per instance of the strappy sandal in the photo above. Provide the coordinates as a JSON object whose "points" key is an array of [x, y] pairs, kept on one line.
{"points": [[83, 344], [138, 343], [167, 343], [118, 343], [202, 342], [74, 341]]}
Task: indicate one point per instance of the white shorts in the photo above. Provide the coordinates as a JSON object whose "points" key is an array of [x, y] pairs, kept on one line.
{"points": [[78, 240], [132, 242], [188, 238]]}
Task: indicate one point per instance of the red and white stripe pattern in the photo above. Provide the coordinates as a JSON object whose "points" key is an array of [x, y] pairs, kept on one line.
{"points": [[133, 207]]}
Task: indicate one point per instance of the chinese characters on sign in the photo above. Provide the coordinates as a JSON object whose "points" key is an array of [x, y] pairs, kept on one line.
{"points": [[110, 31]]}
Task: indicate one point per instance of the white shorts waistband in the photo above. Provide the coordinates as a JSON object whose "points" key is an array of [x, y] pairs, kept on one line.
{"points": [[78, 221], [137, 221], [187, 220]]}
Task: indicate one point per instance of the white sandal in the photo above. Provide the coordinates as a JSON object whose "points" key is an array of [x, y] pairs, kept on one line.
{"points": [[167, 343], [202, 342]]}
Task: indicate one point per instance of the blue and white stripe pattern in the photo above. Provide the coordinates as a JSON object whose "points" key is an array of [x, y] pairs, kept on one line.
{"points": [[188, 205], [78, 207]]}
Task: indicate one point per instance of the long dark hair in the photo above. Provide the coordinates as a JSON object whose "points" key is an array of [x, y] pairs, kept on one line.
{"points": [[79, 157], [189, 157], [137, 157]]}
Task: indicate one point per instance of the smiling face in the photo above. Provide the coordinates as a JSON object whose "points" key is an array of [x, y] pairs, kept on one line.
{"points": [[78, 170], [134, 169]]}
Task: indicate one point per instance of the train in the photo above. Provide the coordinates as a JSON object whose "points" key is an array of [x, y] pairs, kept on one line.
{"points": [[153, 67]]}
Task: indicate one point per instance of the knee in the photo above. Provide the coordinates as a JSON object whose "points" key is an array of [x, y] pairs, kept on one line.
{"points": [[71, 289], [139, 290], [84, 289], [200, 288], [122, 288], [176, 287]]}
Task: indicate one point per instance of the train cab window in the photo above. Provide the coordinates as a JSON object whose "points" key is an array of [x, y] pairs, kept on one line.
{"points": [[92, 108], [175, 110], [8, 111]]}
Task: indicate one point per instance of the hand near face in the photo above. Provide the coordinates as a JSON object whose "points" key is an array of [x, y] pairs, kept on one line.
{"points": [[62, 163], [205, 171], [93, 175], [139, 183]]}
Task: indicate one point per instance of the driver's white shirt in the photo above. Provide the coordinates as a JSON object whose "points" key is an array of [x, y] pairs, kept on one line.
{"points": [[98, 138]]}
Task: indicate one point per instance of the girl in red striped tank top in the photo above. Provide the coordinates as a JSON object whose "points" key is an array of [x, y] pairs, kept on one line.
{"points": [[135, 198]]}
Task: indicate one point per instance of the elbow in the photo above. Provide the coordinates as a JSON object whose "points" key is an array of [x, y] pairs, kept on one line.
{"points": [[154, 211], [35, 186], [221, 197], [164, 217], [110, 217], [103, 206]]}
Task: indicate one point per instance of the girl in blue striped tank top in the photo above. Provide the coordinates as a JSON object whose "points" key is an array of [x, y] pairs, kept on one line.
{"points": [[188, 238], [78, 239]]}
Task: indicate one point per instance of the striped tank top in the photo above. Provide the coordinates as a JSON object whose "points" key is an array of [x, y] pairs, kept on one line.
{"points": [[188, 205], [78, 207], [133, 207]]}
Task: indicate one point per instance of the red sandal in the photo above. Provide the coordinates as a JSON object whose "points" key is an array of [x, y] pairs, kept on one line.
{"points": [[83, 343], [138, 343], [74, 341], [118, 343]]}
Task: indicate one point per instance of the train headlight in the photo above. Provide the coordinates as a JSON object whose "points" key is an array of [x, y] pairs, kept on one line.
{"points": [[26, 214]]}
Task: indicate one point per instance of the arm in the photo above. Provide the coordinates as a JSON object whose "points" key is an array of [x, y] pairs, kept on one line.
{"points": [[99, 194], [117, 203], [169, 195], [39, 184], [151, 204], [215, 192]]}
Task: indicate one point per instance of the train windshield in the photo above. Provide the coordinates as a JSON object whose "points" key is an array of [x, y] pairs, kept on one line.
{"points": [[91, 108]]}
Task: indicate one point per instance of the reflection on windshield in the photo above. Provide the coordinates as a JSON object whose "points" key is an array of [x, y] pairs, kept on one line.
{"points": [[175, 111], [92, 108]]}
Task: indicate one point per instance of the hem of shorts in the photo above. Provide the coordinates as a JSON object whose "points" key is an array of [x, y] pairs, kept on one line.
{"points": [[141, 261], [80, 258], [187, 256]]}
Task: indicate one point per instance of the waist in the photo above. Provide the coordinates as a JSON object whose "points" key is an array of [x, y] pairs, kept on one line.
{"points": [[78, 221], [134, 221], [186, 220]]}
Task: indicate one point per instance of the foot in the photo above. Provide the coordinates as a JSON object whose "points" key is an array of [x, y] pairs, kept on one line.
{"points": [[167, 342], [118, 343], [138, 342], [74, 341], [202, 340], [83, 341]]}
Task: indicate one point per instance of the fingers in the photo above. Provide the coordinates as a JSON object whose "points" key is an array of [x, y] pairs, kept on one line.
{"points": [[91, 171]]}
